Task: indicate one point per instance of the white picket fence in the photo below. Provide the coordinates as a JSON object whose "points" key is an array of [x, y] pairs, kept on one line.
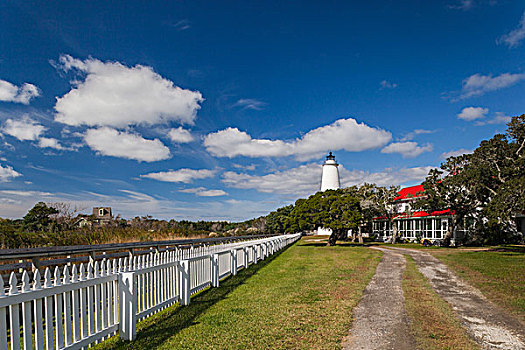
{"points": [[75, 308]]}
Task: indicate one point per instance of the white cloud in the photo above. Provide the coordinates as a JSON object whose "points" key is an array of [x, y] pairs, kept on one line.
{"points": [[344, 134], [25, 193], [462, 5], [180, 135], [211, 193], [24, 129], [478, 84], [192, 189], [12, 93], [250, 167], [115, 95], [232, 142], [385, 84], [203, 192], [138, 196], [386, 177], [110, 142], [8, 145], [7, 173], [303, 180], [250, 103], [306, 179], [407, 149], [181, 25], [182, 175], [409, 136], [472, 113], [500, 118], [46, 142], [456, 153], [514, 38]]}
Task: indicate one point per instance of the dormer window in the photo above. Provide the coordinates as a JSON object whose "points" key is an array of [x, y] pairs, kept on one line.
{"points": [[101, 212]]}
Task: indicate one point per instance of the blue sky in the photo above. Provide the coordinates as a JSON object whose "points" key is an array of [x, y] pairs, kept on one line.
{"points": [[225, 110]]}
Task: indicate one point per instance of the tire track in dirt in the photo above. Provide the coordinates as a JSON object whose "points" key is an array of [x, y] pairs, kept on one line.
{"points": [[380, 320]]}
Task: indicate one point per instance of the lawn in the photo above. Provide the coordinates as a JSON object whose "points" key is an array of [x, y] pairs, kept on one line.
{"points": [[498, 272], [432, 320], [302, 298]]}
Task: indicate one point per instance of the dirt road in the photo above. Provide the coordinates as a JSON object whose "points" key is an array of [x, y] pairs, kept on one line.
{"points": [[486, 323]]}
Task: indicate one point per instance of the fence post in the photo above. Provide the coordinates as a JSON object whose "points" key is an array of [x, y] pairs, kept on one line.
{"points": [[184, 284], [254, 247], [234, 261], [215, 270], [246, 261], [127, 305]]}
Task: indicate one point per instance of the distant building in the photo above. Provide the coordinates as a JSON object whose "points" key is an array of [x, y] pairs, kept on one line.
{"points": [[102, 216], [415, 225]]}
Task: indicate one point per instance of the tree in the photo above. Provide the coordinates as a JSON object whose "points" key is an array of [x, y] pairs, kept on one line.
{"points": [[449, 192], [369, 207], [379, 202], [338, 210], [487, 185], [502, 162], [278, 221], [38, 218], [66, 214]]}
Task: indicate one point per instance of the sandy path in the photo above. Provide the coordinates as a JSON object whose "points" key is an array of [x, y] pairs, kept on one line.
{"points": [[487, 324], [380, 320]]}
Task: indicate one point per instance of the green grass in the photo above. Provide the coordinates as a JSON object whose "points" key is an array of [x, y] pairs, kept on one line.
{"points": [[498, 273], [432, 320], [300, 299]]}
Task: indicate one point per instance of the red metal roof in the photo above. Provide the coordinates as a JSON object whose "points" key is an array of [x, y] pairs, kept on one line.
{"points": [[410, 192], [419, 214], [443, 212]]}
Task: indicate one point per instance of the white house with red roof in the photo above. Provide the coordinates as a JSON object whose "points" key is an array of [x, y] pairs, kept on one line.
{"points": [[415, 225]]}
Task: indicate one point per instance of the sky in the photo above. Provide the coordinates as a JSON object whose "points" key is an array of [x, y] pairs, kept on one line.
{"points": [[225, 110]]}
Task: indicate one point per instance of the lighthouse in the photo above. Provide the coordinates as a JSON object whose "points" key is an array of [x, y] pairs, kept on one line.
{"points": [[329, 181], [330, 178]]}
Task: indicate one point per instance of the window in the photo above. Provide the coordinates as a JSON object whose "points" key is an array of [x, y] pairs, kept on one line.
{"points": [[101, 212]]}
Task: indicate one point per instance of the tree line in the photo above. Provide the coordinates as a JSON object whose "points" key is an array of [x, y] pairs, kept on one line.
{"points": [[58, 224]]}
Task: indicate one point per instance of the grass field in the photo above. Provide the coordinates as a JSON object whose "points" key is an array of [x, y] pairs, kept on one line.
{"points": [[432, 321], [498, 273], [300, 299]]}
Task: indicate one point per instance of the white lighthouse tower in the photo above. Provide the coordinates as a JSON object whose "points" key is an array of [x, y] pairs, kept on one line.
{"points": [[329, 181], [330, 178]]}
